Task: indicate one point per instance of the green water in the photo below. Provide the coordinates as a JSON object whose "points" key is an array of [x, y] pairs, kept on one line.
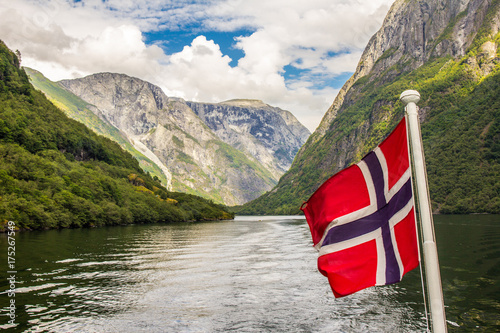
{"points": [[254, 274], [469, 250]]}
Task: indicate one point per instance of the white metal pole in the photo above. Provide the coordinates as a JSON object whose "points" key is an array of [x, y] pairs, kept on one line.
{"points": [[431, 263]]}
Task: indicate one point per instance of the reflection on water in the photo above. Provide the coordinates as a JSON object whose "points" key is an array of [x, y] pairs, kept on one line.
{"points": [[470, 268], [254, 274]]}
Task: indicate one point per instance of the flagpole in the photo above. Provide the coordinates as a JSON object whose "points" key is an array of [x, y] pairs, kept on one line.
{"points": [[433, 278]]}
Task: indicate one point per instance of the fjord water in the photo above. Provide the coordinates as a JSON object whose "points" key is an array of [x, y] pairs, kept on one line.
{"points": [[253, 274]]}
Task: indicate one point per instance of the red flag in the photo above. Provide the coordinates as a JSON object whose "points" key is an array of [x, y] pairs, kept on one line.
{"points": [[362, 219]]}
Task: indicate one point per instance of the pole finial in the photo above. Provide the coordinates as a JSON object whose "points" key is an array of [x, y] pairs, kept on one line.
{"points": [[410, 96]]}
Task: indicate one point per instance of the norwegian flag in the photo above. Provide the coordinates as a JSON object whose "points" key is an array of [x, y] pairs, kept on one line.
{"points": [[362, 219]]}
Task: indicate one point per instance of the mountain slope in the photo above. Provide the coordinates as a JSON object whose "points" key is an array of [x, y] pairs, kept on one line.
{"points": [[448, 51], [78, 109], [271, 135], [55, 172], [200, 163]]}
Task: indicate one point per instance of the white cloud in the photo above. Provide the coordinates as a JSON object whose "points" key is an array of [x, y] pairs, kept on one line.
{"points": [[324, 38], [116, 49], [202, 67], [345, 62]]}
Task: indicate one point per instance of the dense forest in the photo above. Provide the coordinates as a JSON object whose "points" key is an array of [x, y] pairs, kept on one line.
{"points": [[56, 173], [460, 112]]}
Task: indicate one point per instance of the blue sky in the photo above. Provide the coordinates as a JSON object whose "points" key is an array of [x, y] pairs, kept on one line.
{"points": [[293, 54], [175, 41]]}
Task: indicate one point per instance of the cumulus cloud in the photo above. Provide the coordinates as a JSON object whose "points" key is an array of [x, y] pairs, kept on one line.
{"points": [[201, 66], [320, 38], [207, 72]]}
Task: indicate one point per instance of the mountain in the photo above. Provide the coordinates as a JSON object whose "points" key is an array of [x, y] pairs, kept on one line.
{"points": [[271, 135], [230, 167], [77, 109], [57, 173], [448, 51]]}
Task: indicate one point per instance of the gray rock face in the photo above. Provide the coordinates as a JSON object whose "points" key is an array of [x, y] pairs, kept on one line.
{"points": [[412, 33], [221, 154], [271, 135]]}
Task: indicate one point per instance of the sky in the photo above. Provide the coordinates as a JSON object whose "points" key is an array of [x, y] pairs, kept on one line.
{"points": [[293, 54]]}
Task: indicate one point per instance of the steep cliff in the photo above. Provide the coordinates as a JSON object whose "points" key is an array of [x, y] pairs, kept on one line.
{"points": [[447, 50], [413, 33], [272, 135]]}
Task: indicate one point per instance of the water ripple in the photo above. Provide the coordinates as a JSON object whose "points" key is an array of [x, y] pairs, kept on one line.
{"points": [[244, 275]]}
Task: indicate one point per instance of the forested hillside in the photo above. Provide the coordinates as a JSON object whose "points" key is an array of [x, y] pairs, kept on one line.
{"points": [[450, 54], [56, 173]]}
